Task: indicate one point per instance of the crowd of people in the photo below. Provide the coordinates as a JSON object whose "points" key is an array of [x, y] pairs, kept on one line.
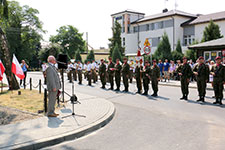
{"points": [[144, 73]]}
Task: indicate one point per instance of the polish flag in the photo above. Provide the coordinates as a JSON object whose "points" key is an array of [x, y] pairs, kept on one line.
{"points": [[2, 70], [16, 68]]}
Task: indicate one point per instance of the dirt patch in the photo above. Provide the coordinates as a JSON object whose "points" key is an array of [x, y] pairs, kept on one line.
{"points": [[10, 115]]}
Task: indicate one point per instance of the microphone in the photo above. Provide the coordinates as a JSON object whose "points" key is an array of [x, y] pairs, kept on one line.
{"points": [[61, 62]]}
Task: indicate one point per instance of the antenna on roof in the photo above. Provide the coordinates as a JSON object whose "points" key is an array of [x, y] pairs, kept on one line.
{"points": [[176, 5]]}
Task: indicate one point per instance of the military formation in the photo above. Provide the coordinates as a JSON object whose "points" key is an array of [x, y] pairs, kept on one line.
{"points": [[144, 73]]}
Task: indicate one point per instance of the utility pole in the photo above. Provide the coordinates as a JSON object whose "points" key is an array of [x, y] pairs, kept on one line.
{"points": [[87, 41]]}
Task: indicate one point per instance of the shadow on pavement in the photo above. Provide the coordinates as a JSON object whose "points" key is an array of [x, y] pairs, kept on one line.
{"points": [[205, 103], [54, 122]]}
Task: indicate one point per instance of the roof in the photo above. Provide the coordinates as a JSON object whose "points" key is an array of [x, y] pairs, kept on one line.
{"points": [[128, 11], [206, 18], [218, 44], [166, 14]]}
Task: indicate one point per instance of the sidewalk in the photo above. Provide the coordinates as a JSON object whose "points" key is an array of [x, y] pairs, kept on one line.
{"points": [[44, 131]]}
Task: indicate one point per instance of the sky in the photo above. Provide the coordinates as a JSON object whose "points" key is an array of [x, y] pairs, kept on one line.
{"points": [[94, 16]]}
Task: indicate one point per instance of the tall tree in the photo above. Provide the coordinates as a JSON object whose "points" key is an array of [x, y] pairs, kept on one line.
{"points": [[70, 39], [164, 49], [52, 49], [116, 53], [211, 32], [91, 56], [5, 52], [116, 39], [78, 56], [177, 53]]}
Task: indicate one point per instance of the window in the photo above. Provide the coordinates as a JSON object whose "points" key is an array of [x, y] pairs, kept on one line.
{"points": [[153, 26], [124, 42], [188, 40], [147, 27], [160, 25]]}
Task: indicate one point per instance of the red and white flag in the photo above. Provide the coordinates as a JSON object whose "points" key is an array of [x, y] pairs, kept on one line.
{"points": [[16, 68], [2, 70]]}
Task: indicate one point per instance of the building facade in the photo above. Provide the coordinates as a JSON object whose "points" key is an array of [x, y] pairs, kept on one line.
{"points": [[178, 25]]}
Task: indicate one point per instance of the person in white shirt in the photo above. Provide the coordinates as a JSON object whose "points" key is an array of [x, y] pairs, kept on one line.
{"points": [[69, 71], [44, 67], [94, 75], [74, 71], [79, 71], [85, 70], [89, 72]]}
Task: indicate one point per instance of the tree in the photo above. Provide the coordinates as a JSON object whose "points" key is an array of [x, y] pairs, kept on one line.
{"points": [[191, 53], [164, 49], [116, 39], [116, 54], [52, 49], [91, 56], [178, 47], [78, 56], [211, 32], [5, 52], [177, 53], [70, 39]]}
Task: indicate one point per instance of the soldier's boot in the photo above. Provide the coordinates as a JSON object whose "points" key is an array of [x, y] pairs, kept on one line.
{"points": [[182, 97], [145, 93], [217, 101], [186, 97], [203, 99], [200, 99], [220, 102], [154, 94]]}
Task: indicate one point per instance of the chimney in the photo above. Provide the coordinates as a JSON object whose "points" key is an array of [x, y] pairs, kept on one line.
{"points": [[165, 10]]}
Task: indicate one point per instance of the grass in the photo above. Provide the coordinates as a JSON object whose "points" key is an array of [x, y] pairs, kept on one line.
{"points": [[30, 101]]}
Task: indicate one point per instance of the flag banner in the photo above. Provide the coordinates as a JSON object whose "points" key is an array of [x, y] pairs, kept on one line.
{"points": [[2, 70], [16, 68]]}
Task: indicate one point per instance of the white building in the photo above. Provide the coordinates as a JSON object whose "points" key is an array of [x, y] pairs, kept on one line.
{"points": [[178, 25]]}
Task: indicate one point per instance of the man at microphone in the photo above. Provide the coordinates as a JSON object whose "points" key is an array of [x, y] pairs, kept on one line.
{"points": [[53, 85]]}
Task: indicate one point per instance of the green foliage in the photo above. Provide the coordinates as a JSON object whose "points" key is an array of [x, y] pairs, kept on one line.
{"points": [[164, 49], [53, 49], [177, 55], [116, 53], [23, 30], [91, 56], [211, 32], [70, 39], [191, 54], [116, 39], [78, 56], [4, 9], [178, 47]]}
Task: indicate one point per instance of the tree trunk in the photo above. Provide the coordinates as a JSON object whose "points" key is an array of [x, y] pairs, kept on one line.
{"points": [[13, 84]]}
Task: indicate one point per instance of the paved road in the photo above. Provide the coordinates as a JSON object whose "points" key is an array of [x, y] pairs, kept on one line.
{"points": [[163, 123]]}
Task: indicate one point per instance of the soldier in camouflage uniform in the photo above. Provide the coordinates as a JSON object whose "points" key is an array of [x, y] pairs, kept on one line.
{"points": [[146, 77], [110, 71], [185, 72], [118, 68], [125, 74], [155, 78], [201, 71], [218, 72], [102, 73], [138, 75]]}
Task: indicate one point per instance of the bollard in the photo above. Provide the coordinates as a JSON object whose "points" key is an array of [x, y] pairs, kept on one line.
{"points": [[45, 100], [30, 83], [40, 86]]}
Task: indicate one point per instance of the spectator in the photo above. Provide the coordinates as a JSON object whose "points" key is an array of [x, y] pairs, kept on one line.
{"points": [[160, 64], [24, 67], [172, 70], [166, 67]]}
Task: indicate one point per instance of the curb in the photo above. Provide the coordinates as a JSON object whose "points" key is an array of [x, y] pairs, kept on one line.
{"points": [[46, 142]]}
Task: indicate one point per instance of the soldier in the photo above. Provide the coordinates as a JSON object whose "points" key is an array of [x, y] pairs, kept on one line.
{"points": [[185, 72], [69, 71], [155, 78], [218, 73], [201, 71], [89, 72], [93, 69], [110, 71], [125, 73], [118, 68], [132, 68], [74, 71], [79, 71], [146, 77], [102, 73], [138, 76]]}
